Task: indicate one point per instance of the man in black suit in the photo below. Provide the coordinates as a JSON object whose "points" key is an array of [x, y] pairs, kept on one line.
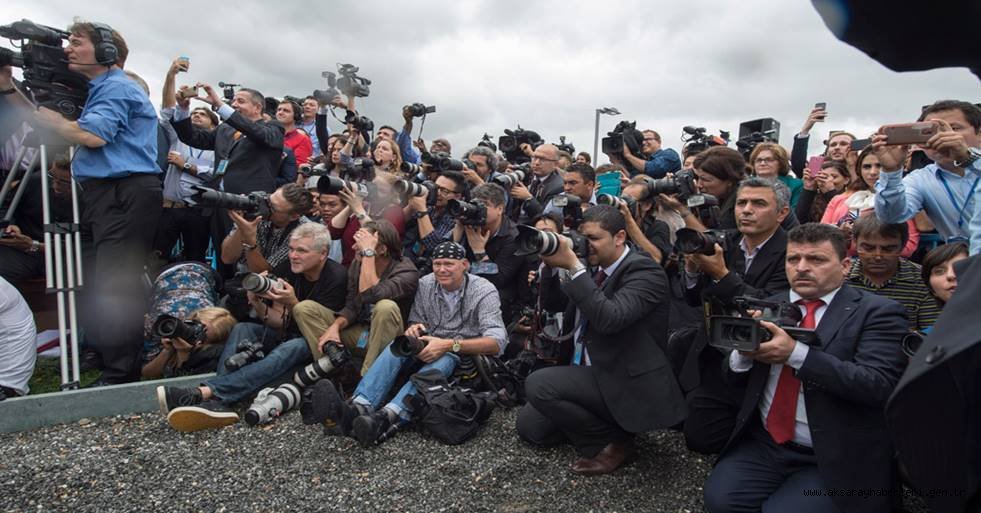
{"points": [[933, 414], [812, 418], [752, 264], [620, 382], [545, 183]]}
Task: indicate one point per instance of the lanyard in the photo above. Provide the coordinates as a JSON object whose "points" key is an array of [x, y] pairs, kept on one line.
{"points": [[950, 194]]}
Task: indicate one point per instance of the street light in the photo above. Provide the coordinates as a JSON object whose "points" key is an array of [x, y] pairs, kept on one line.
{"points": [[611, 111]]}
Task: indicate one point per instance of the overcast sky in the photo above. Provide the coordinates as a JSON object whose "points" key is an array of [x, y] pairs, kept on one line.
{"points": [[488, 65]]}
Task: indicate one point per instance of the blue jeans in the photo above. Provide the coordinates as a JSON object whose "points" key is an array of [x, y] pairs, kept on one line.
{"points": [[381, 376], [231, 386]]}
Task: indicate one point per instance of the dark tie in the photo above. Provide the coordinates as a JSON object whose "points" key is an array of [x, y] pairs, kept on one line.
{"points": [[536, 187], [782, 417], [600, 277]]}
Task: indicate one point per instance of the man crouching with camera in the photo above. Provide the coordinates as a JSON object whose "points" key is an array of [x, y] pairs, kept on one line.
{"points": [[454, 314], [256, 354], [620, 382]]}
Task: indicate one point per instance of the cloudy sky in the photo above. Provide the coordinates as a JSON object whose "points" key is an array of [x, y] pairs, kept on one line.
{"points": [[544, 65]]}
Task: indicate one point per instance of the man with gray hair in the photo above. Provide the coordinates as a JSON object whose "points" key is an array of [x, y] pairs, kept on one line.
{"points": [[751, 264], [307, 275], [484, 166]]}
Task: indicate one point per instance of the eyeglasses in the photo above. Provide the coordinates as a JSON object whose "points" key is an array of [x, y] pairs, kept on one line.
{"points": [[546, 159], [765, 160], [444, 190], [649, 139]]}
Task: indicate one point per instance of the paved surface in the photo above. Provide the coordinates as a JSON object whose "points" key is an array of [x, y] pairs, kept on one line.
{"points": [[138, 463]]}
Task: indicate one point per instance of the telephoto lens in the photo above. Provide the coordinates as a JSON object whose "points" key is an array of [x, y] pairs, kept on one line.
{"points": [[531, 241], [410, 169], [509, 179], [260, 284], [469, 213], [410, 189], [404, 345], [335, 356], [272, 403]]}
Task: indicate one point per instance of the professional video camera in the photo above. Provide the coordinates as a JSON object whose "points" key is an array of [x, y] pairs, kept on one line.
{"points": [[350, 83], [253, 204], [167, 326], [486, 142], [47, 80], [228, 91], [510, 144], [691, 242], [532, 241], [246, 352], [469, 213], [754, 132], [419, 110], [404, 345], [566, 147], [742, 332], [697, 140], [625, 133], [334, 185], [271, 403], [335, 356]]}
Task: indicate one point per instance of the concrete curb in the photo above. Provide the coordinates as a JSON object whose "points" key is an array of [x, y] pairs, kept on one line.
{"points": [[34, 411]]}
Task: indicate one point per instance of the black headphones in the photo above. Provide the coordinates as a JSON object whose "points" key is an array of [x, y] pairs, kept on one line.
{"points": [[106, 52]]}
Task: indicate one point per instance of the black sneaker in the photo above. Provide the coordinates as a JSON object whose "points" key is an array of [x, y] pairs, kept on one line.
{"points": [[368, 429], [209, 414], [174, 397], [326, 404]]}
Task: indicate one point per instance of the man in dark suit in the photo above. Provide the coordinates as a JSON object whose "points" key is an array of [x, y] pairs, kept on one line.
{"points": [[751, 264], [545, 183], [812, 415], [933, 414], [620, 382]]}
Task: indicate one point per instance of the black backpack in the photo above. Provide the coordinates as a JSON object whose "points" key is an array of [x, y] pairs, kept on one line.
{"points": [[451, 414]]}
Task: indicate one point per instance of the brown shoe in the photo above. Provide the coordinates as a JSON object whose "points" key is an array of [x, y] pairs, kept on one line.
{"points": [[605, 461]]}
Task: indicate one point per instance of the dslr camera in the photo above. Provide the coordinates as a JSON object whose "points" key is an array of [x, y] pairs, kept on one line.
{"points": [[253, 204], [334, 185], [335, 356], [469, 213], [512, 178], [408, 189], [694, 242], [532, 241], [271, 403], [404, 345], [247, 351], [571, 206], [510, 144], [359, 122], [624, 134], [441, 161], [47, 79], [260, 284], [742, 332], [419, 110], [168, 326]]}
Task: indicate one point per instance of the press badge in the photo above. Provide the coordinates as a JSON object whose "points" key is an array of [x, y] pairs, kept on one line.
{"points": [[363, 340], [222, 166]]}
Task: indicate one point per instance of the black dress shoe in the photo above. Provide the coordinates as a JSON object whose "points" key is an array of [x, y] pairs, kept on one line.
{"points": [[607, 460], [368, 429]]}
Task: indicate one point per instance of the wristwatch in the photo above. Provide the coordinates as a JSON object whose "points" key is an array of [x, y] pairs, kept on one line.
{"points": [[35, 247], [973, 154], [249, 247], [367, 253], [456, 346], [186, 166], [361, 217], [420, 215]]}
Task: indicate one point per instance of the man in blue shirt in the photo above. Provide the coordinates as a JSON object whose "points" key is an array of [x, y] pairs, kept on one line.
{"points": [[116, 169], [660, 161], [943, 189]]}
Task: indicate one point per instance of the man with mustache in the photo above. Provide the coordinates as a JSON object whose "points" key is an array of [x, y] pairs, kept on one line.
{"points": [[812, 416]]}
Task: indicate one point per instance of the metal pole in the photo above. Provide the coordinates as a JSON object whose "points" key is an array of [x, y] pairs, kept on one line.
{"points": [[596, 140], [10, 177]]}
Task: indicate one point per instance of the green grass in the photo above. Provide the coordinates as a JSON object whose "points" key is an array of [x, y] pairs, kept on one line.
{"points": [[47, 376]]}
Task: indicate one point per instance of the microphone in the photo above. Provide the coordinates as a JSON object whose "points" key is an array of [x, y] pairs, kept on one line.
{"points": [[225, 84]]}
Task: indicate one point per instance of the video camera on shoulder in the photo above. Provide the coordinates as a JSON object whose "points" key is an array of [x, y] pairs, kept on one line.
{"points": [[624, 134], [47, 80], [743, 332], [487, 142], [253, 204], [510, 144]]}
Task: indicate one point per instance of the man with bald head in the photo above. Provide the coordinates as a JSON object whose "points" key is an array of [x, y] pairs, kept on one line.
{"points": [[545, 183]]}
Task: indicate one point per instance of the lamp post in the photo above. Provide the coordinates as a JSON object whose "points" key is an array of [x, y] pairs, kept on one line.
{"points": [[611, 111]]}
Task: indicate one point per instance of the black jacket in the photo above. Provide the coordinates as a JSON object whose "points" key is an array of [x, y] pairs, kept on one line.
{"points": [[500, 250], [626, 332], [536, 205], [253, 158], [846, 378]]}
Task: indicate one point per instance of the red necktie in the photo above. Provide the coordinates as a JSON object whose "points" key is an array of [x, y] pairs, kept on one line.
{"points": [[600, 277], [783, 410]]}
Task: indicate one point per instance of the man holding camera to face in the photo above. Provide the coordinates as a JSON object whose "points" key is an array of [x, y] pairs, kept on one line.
{"points": [[546, 182], [429, 225], [619, 383], [454, 314], [812, 415], [750, 264], [256, 354], [259, 244]]}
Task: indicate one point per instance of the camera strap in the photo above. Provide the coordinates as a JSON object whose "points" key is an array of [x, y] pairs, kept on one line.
{"points": [[950, 194]]}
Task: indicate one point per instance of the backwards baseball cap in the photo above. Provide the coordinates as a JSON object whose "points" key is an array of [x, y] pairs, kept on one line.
{"points": [[449, 249]]}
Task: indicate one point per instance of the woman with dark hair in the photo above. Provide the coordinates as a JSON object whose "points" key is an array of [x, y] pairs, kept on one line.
{"points": [[770, 160], [938, 270], [718, 171], [820, 189]]}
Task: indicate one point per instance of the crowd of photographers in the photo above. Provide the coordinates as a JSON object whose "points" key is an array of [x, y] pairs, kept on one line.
{"points": [[763, 302]]}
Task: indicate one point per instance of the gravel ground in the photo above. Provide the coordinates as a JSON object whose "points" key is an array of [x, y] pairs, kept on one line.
{"points": [[138, 463]]}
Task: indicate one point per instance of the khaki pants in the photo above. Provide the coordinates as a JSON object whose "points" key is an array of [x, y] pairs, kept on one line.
{"points": [[313, 320]]}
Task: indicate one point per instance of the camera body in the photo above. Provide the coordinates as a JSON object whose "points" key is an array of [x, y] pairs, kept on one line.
{"points": [[694, 242], [404, 345], [697, 140], [743, 332], [441, 161], [350, 83], [624, 134], [681, 184], [532, 241], [47, 78], [358, 122], [469, 213], [510, 144], [247, 351], [419, 110], [168, 326], [334, 185], [272, 402], [253, 204], [615, 201], [511, 178], [335, 356], [487, 142]]}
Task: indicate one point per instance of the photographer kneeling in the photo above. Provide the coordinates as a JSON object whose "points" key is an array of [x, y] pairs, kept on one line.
{"points": [[256, 354], [620, 382], [454, 314], [750, 264]]}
